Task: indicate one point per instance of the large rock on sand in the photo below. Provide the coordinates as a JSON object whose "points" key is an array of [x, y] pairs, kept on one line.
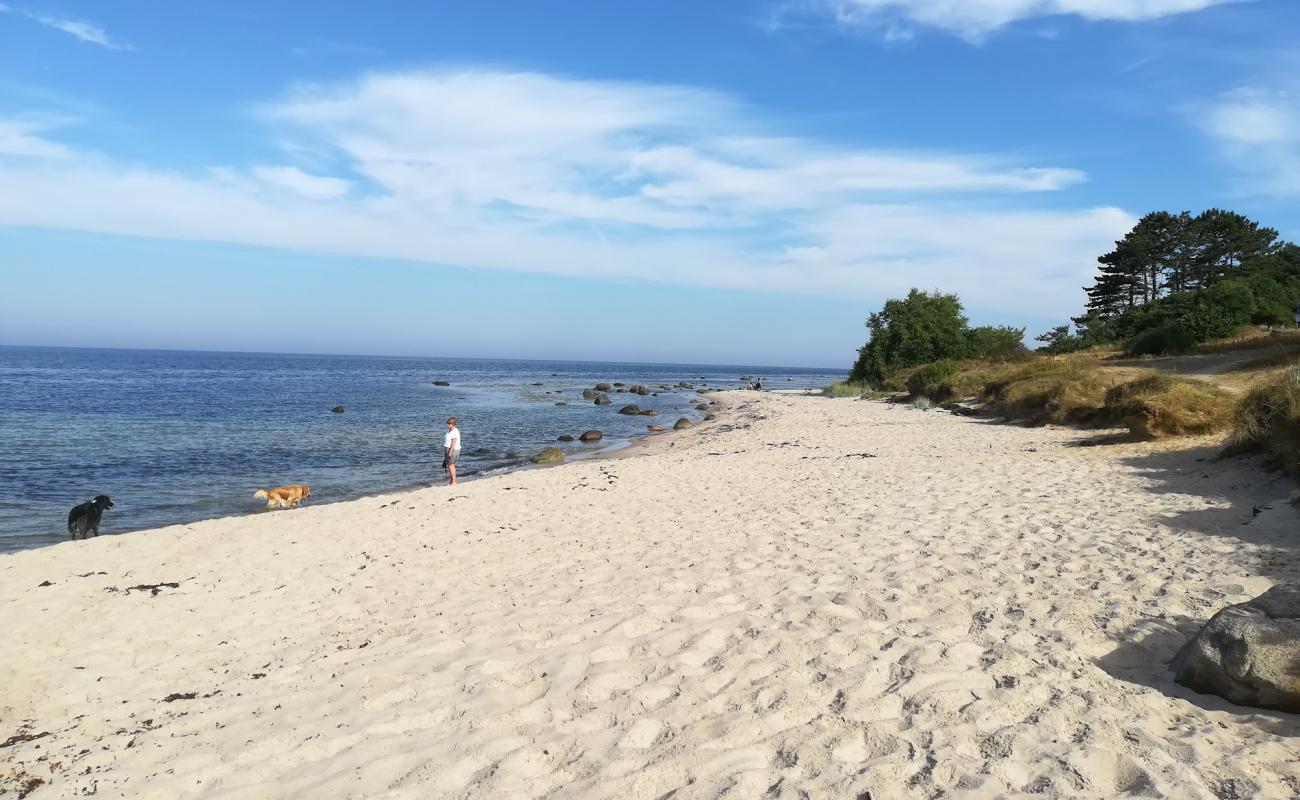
{"points": [[1248, 653], [682, 424], [602, 399], [549, 455], [591, 436], [631, 410]]}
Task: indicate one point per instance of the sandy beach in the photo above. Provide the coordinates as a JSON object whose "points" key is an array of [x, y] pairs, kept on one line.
{"points": [[806, 598]]}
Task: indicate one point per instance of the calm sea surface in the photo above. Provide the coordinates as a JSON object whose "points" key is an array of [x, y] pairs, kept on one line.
{"points": [[176, 437]]}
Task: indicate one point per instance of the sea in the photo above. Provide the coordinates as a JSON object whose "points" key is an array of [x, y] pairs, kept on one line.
{"points": [[179, 436]]}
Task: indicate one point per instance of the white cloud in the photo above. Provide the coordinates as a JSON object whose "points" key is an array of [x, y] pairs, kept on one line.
{"points": [[609, 180], [21, 139], [1258, 131], [295, 180], [975, 20], [81, 29]]}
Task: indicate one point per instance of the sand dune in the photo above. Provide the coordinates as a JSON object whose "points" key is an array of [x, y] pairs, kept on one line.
{"points": [[808, 598]]}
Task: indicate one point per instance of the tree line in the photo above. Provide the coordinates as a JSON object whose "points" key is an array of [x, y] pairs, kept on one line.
{"points": [[1173, 281]]}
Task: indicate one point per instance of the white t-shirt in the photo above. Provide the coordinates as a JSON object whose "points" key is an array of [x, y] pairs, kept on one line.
{"points": [[452, 440]]}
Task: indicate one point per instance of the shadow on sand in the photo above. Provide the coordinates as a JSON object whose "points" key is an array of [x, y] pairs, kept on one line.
{"points": [[1245, 504]]}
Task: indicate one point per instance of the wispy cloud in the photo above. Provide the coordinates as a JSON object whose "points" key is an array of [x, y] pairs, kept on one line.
{"points": [[81, 29], [976, 20], [532, 172], [24, 139], [1258, 132]]}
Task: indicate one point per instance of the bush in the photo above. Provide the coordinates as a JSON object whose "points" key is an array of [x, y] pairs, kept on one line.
{"points": [[917, 330], [1164, 405], [845, 389], [1163, 341], [1267, 420], [997, 343], [928, 381]]}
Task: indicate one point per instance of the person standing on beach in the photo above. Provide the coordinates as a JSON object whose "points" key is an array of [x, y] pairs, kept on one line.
{"points": [[451, 449]]}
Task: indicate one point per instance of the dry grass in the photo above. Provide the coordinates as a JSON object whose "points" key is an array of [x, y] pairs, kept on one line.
{"points": [[846, 389], [1252, 339], [1051, 391], [1165, 405], [1267, 420]]}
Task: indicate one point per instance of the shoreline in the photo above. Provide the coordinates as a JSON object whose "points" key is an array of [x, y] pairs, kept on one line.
{"points": [[617, 448], [829, 596]]}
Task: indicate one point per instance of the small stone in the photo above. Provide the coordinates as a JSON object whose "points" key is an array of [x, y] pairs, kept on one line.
{"points": [[591, 436], [682, 424]]}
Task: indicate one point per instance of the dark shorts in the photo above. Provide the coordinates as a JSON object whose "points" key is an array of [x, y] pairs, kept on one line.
{"points": [[449, 458]]}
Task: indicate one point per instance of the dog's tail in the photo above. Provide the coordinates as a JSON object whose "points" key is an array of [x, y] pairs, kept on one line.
{"points": [[260, 494]]}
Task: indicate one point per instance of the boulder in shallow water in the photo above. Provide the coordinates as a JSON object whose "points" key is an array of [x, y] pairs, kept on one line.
{"points": [[338, 410], [631, 410], [602, 399], [603, 387], [589, 394], [564, 437], [649, 412], [1248, 653], [654, 428], [641, 389], [549, 455], [561, 403], [591, 436], [441, 383], [682, 424]]}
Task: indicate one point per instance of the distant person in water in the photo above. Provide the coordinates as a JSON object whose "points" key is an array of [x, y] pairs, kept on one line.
{"points": [[451, 449]]}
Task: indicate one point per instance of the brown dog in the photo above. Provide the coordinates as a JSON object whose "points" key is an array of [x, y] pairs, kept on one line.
{"points": [[283, 496]]}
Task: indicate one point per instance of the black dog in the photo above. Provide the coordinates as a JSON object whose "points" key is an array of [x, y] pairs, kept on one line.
{"points": [[84, 519]]}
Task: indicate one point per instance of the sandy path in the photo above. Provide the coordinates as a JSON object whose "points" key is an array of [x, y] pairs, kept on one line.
{"points": [[811, 598]]}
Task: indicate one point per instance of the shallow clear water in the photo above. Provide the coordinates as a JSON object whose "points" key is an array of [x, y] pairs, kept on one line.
{"points": [[175, 437]]}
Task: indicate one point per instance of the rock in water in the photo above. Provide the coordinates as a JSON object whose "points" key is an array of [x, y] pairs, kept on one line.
{"points": [[602, 399], [564, 437], [441, 383], [549, 455], [1248, 653], [591, 436], [682, 424], [338, 409], [630, 410], [589, 394], [654, 428], [641, 389], [603, 387], [650, 413]]}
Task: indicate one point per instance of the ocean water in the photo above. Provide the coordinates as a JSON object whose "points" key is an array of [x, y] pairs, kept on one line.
{"points": [[175, 437]]}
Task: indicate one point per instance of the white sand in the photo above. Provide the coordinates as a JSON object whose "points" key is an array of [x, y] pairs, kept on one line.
{"points": [[976, 611]]}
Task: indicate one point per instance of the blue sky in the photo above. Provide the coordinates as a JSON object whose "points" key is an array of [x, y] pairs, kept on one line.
{"points": [[711, 182]]}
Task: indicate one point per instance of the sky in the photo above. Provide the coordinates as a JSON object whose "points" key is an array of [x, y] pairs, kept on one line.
{"points": [[737, 182]]}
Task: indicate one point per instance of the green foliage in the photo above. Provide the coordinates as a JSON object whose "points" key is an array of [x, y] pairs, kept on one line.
{"points": [[1175, 278], [922, 328], [845, 389], [1059, 341], [930, 380], [998, 343]]}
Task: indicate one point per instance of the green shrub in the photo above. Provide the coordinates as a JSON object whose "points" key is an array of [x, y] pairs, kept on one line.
{"points": [[1267, 420], [919, 329], [996, 343], [846, 389], [1173, 338], [929, 380]]}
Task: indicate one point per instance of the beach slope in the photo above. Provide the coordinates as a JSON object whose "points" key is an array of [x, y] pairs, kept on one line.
{"points": [[807, 598]]}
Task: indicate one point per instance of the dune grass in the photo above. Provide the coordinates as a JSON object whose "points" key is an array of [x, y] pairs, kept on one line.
{"points": [[1069, 391], [1267, 420], [846, 389], [1165, 405]]}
